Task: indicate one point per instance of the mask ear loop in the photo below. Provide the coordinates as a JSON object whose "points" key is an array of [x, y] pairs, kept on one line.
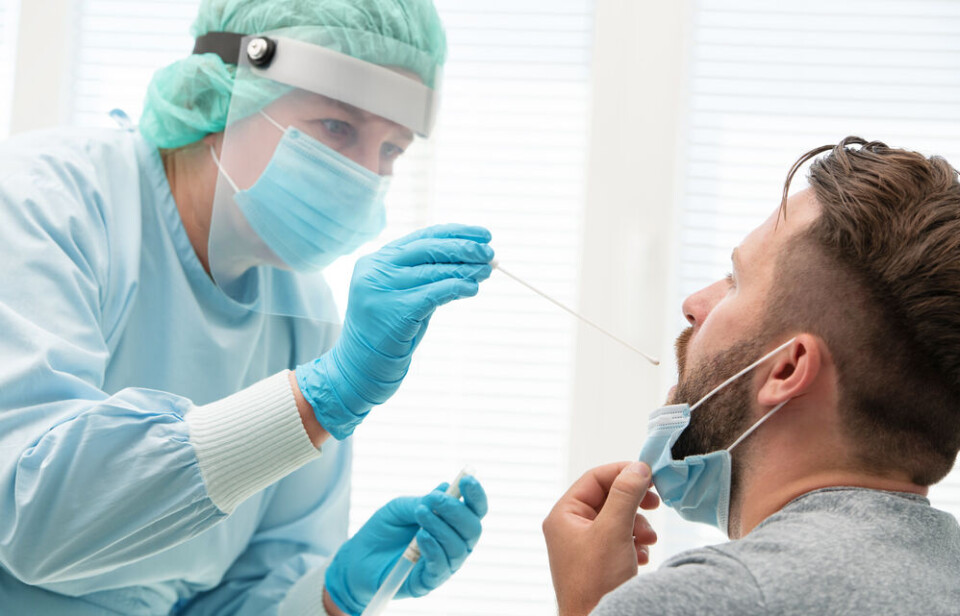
{"points": [[756, 425], [741, 373], [216, 159], [272, 121]]}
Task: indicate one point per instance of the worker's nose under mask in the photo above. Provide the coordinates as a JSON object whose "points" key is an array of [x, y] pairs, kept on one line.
{"points": [[697, 487], [311, 204]]}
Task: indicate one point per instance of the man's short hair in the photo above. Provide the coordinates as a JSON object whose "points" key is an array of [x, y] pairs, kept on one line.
{"points": [[877, 277]]}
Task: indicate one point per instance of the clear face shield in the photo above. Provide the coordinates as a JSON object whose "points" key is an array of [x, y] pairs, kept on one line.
{"points": [[317, 119]]}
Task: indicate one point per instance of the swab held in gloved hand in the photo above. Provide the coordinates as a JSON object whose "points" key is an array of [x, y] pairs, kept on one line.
{"points": [[496, 265], [404, 566]]}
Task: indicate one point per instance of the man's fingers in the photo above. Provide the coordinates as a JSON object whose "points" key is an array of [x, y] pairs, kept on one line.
{"points": [[643, 553], [627, 490], [650, 501], [590, 491], [643, 532]]}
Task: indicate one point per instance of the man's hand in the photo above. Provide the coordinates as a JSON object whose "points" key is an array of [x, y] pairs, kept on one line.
{"points": [[595, 537]]}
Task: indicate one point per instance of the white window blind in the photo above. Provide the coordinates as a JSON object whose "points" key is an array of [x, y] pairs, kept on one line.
{"points": [[491, 383], [119, 45], [771, 80], [9, 14]]}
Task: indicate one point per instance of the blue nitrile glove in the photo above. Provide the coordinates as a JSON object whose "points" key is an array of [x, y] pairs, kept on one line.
{"points": [[447, 530], [393, 293]]}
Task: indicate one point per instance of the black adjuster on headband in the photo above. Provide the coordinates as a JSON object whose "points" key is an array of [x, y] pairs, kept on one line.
{"points": [[227, 45], [224, 44], [260, 50]]}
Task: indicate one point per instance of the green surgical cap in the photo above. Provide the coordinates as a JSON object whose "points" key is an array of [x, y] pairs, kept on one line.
{"points": [[191, 98]]}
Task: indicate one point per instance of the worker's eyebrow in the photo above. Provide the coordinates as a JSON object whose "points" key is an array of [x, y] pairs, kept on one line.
{"points": [[348, 109], [735, 259], [358, 115]]}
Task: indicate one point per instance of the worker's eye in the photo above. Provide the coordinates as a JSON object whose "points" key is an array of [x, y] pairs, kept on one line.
{"points": [[731, 281], [390, 151], [338, 128]]}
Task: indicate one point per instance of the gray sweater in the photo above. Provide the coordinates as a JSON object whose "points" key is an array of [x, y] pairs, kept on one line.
{"points": [[832, 551]]}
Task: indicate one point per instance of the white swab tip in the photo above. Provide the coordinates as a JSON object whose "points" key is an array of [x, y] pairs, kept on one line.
{"points": [[494, 263]]}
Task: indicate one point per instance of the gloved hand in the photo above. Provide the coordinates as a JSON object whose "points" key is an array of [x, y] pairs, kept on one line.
{"points": [[393, 294], [446, 529]]}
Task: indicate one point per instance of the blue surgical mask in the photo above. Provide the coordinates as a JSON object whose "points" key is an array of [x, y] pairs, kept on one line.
{"points": [[312, 205], [697, 487]]}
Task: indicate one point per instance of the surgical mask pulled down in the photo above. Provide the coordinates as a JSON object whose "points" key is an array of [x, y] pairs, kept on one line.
{"points": [[697, 487], [311, 205]]}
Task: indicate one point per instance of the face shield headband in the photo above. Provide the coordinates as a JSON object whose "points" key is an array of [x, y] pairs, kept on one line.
{"points": [[290, 202], [317, 69]]}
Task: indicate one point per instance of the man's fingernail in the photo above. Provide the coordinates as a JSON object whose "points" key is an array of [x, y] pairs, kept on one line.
{"points": [[639, 468]]}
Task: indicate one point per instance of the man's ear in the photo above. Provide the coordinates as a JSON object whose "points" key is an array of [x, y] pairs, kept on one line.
{"points": [[793, 371]]}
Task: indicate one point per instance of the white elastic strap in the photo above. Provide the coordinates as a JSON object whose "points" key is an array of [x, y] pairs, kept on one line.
{"points": [[216, 161], [756, 425], [742, 372], [272, 121]]}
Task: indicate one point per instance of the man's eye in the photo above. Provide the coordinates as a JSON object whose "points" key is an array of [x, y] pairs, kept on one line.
{"points": [[731, 281], [338, 128]]}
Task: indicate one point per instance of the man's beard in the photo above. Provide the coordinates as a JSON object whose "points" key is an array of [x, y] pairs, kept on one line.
{"points": [[725, 416]]}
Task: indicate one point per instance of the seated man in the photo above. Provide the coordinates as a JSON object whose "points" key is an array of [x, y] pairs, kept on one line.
{"points": [[840, 322]]}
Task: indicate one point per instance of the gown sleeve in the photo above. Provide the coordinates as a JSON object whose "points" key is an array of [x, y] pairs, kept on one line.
{"points": [[281, 572], [90, 481]]}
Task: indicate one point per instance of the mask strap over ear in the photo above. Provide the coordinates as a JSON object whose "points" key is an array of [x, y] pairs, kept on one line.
{"points": [[742, 372], [756, 425]]}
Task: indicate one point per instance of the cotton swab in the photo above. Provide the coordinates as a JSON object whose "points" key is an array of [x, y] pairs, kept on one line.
{"points": [[496, 265]]}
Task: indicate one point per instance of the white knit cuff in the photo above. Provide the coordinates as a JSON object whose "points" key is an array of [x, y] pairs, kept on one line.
{"points": [[305, 598], [250, 440]]}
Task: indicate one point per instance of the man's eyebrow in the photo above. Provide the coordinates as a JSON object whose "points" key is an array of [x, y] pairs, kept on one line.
{"points": [[735, 258]]}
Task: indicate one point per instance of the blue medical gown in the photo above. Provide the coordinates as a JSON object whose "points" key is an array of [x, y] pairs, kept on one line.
{"points": [[110, 331]]}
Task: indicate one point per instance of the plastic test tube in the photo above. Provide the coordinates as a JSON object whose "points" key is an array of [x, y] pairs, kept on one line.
{"points": [[401, 570]]}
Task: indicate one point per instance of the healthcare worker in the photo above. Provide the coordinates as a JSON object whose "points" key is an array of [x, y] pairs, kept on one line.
{"points": [[157, 453]]}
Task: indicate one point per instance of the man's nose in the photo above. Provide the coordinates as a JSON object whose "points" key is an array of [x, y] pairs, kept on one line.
{"points": [[697, 307]]}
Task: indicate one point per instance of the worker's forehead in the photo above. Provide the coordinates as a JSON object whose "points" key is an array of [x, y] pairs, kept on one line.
{"points": [[306, 101]]}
